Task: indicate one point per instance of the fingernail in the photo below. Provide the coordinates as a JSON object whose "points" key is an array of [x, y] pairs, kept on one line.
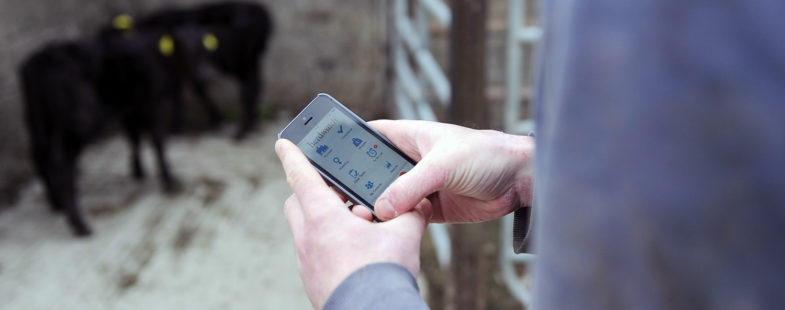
{"points": [[385, 210]]}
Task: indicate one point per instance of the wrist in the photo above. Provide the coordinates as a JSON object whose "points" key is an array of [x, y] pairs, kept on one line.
{"points": [[523, 148], [516, 153]]}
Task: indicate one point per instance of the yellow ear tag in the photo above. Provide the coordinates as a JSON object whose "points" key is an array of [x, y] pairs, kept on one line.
{"points": [[210, 42], [166, 45], [123, 22]]}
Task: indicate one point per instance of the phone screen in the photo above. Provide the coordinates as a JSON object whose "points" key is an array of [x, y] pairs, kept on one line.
{"points": [[357, 159]]}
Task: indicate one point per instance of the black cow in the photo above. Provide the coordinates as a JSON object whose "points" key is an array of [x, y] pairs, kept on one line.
{"points": [[71, 89], [227, 37]]}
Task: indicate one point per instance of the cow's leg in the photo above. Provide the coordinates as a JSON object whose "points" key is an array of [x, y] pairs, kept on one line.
{"points": [[63, 177], [43, 165], [169, 182], [209, 105], [250, 93], [137, 170], [50, 188], [177, 105]]}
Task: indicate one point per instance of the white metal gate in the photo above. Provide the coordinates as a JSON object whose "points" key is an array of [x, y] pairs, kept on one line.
{"points": [[521, 31], [417, 75], [417, 78]]}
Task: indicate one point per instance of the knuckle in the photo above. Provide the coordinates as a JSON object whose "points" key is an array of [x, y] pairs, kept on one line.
{"points": [[290, 203], [318, 217], [300, 247], [294, 178]]}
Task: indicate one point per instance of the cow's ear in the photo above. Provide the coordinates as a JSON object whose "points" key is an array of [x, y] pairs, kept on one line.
{"points": [[123, 22], [210, 42], [166, 45]]}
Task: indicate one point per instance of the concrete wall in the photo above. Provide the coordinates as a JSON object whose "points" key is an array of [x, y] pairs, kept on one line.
{"points": [[319, 46]]}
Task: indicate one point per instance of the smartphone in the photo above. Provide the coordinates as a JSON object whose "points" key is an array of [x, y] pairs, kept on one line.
{"points": [[356, 159]]}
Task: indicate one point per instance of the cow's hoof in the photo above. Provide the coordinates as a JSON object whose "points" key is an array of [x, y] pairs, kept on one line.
{"points": [[81, 230], [138, 175], [172, 187]]}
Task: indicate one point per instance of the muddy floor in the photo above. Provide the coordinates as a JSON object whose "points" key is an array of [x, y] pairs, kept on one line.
{"points": [[221, 243]]}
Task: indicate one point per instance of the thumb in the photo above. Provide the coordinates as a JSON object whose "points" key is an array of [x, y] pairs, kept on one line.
{"points": [[408, 190]]}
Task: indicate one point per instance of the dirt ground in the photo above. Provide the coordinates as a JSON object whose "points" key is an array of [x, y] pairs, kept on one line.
{"points": [[222, 243]]}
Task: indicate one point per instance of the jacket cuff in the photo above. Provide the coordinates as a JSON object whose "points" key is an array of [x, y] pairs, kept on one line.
{"points": [[521, 230], [377, 286]]}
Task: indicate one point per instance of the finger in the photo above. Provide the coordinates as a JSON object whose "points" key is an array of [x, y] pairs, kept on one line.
{"points": [[414, 222], [338, 192], [409, 189], [437, 215], [362, 212], [403, 133], [294, 216], [314, 196], [426, 208]]}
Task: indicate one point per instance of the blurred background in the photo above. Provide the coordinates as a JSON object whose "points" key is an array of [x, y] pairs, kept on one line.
{"points": [[220, 239]]}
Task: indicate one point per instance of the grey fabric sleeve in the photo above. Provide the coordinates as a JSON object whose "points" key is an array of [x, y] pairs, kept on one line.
{"points": [[521, 229], [521, 226], [377, 286]]}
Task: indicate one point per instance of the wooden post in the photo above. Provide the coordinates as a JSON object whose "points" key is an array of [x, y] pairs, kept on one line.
{"points": [[469, 268], [467, 63]]}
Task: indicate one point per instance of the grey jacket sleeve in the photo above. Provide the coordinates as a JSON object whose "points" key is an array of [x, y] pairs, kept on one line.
{"points": [[377, 286], [521, 229], [521, 226]]}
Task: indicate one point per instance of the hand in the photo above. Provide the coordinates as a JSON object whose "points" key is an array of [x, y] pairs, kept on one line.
{"points": [[330, 241], [469, 175]]}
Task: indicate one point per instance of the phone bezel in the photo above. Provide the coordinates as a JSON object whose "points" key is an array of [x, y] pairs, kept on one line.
{"points": [[306, 120]]}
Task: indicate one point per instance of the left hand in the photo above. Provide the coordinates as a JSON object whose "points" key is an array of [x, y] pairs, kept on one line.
{"points": [[330, 241]]}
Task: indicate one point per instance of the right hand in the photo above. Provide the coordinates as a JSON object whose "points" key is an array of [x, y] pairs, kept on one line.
{"points": [[469, 175], [329, 241]]}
